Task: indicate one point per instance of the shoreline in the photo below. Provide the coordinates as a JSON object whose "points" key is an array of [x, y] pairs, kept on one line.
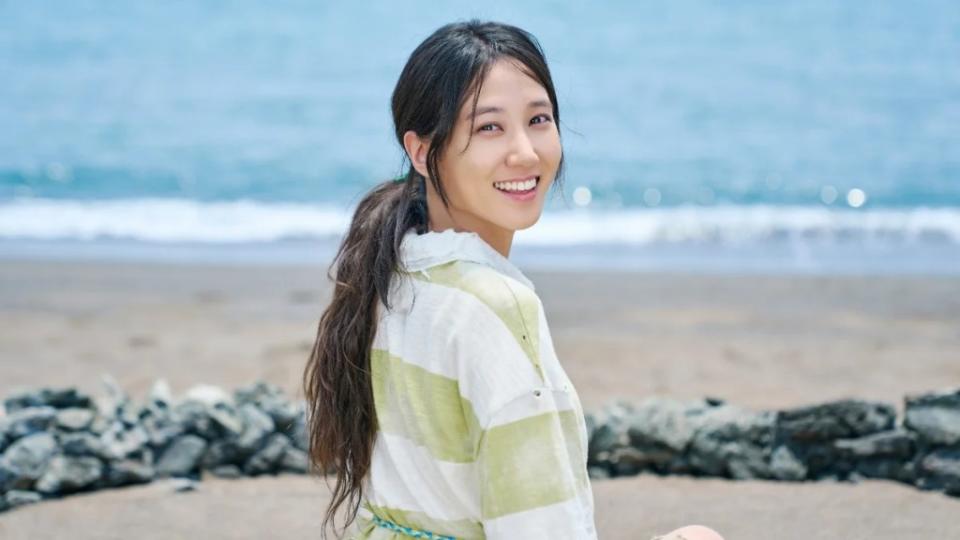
{"points": [[782, 256]]}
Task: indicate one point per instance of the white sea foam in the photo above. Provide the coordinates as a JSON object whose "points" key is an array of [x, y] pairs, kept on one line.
{"points": [[167, 220], [173, 220]]}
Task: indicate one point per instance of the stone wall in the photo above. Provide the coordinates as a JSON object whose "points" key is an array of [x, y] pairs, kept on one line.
{"points": [[841, 440], [58, 441]]}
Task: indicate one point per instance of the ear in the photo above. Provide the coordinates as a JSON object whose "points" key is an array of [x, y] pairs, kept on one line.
{"points": [[417, 151]]}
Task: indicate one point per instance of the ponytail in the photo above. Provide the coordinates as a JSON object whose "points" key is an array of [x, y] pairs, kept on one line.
{"points": [[341, 419]]}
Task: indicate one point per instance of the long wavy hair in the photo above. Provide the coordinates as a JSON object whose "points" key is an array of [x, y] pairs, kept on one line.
{"points": [[443, 72]]}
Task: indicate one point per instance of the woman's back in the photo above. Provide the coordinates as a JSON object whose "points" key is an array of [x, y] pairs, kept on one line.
{"points": [[480, 432]]}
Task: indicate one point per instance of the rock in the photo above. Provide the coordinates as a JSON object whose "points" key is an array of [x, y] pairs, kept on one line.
{"points": [[74, 419], [785, 466], [223, 452], [294, 460], [266, 459], [208, 394], [28, 420], [160, 397], [68, 474], [810, 434], [227, 418], [605, 439], [628, 461], [227, 471], [271, 400], [19, 497], [659, 424], [26, 460], [100, 425], [256, 430], [129, 471], [880, 455], [598, 473], [889, 469], [610, 433], [194, 417], [182, 457], [83, 443], [257, 425], [116, 404], [219, 407], [822, 459], [298, 432], [184, 485], [935, 417], [161, 426], [121, 441], [58, 398], [843, 419], [732, 441], [897, 443], [714, 401], [940, 470]]}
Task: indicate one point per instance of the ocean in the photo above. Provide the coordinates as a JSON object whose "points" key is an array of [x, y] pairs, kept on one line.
{"points": [[813, 137]]}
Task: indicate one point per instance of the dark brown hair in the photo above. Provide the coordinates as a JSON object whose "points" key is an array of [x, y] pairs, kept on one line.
{"points": [[441, 73]]}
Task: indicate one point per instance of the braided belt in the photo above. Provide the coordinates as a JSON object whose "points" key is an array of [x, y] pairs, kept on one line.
{"points": [[408, 531]]}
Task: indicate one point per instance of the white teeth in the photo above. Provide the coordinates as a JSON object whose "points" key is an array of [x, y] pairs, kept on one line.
{"points": [[526, 185]]}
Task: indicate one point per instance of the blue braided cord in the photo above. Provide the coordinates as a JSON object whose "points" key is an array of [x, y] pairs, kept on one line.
{"points": [[413, 533]]}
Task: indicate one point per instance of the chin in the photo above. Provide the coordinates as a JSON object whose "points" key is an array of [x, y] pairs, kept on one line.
{"points": [[525, 223]]}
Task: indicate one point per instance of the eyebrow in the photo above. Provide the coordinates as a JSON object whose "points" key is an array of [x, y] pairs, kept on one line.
{"points": [[484, 110]]}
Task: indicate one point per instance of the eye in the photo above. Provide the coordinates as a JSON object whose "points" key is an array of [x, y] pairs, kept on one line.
{"points": [[546, 118]]}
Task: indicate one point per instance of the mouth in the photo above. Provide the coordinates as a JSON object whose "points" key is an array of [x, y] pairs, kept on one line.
{"points": [[519, 189]]}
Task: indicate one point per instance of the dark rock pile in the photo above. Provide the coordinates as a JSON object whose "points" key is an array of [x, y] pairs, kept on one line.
{"points": [[55, 442], [841, 440]]}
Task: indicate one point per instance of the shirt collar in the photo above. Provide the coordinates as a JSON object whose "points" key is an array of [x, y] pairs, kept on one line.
{"points": [[421, 251]]}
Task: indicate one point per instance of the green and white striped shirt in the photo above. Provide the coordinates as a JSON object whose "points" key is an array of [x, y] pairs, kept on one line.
{"points": [[481, 433]]}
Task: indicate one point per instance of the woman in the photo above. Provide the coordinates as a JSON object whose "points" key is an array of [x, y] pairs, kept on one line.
{"points": [[433, 388]]}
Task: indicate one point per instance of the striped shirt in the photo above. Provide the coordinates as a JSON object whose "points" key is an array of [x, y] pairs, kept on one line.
{"points": [[480, 432]]}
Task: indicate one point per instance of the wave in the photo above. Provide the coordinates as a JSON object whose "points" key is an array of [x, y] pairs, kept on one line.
{"points": [[246, 221]]}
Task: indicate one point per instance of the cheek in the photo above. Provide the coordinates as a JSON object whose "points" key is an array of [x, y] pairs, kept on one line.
{"points": [[465, 177], [479, 166], [552, 151]]}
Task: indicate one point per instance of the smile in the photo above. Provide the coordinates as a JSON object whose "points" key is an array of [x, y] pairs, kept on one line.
{"points": [[520, 189]]}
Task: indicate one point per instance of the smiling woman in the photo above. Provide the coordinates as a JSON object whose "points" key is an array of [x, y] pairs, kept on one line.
{"points": [[434, 392]]}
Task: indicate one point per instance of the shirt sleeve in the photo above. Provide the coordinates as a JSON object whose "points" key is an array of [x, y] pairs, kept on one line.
{"points": [[532, 470]]}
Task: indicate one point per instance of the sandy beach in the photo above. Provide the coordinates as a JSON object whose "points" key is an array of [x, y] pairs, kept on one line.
{"points": [[758, 341]]}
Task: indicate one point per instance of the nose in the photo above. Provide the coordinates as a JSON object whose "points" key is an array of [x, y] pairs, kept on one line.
{"points": [[522, 153]]}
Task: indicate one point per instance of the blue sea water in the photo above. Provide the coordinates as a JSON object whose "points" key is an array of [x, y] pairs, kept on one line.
{"points": [[812, 136]]}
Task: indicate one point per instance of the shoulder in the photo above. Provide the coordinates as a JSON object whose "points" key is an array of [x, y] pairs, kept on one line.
{"points": [[476, 283], [494, 324]]}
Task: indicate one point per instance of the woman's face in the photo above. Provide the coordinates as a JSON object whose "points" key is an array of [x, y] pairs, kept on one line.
{"points": [[514, 140]]}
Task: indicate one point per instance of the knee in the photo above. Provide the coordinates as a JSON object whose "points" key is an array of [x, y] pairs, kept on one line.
{"points": [[696, 532]]}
